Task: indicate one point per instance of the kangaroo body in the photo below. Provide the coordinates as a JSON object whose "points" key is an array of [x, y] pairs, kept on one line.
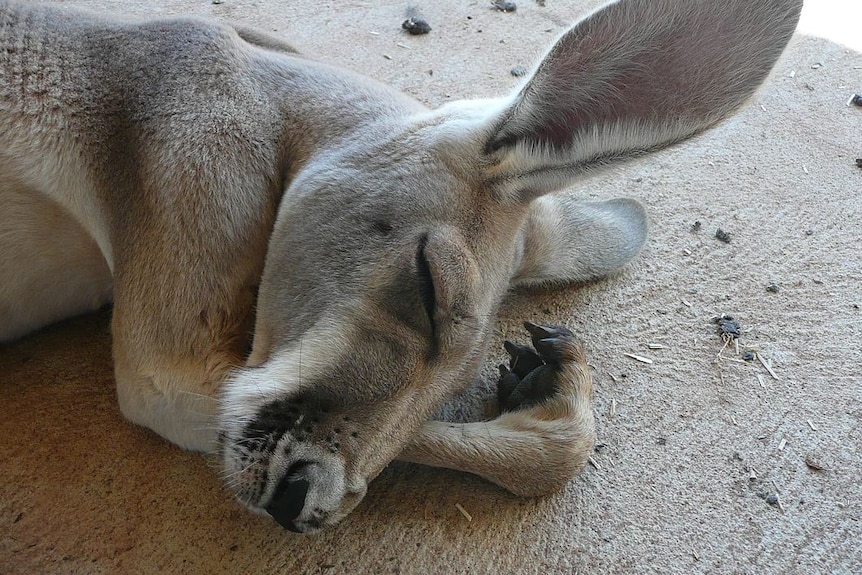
{"points": [[304, 263]]}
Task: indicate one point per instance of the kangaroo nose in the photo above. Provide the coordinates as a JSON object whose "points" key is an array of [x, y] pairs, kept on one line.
{"points": [[289, 497]]}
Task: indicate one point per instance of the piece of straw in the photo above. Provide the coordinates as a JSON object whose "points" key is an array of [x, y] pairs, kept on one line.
{"points": [[464, 512], [767, 366], [638, 358]]}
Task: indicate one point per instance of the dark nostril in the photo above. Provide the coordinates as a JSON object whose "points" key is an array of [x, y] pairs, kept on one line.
{"points": [[289, 497]]}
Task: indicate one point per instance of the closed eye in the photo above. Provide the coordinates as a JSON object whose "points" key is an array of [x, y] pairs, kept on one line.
{"points": [[426, 281]]}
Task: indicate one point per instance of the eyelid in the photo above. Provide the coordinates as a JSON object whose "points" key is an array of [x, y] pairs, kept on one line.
{"points": [[427, 289]]}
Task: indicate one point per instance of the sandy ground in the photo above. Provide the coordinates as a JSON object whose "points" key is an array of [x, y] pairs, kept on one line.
{"points": [[706, 464]]}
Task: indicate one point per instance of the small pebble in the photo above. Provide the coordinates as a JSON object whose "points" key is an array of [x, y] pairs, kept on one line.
{"points": [[772, 288], [519, 71], [728, 327], [416, 26], [856, 100], [814, 461], [695, 227], [809, 232], [722, 236], [218, 1], [505, 5], [748, 356], [772, 499], [859, 162]]}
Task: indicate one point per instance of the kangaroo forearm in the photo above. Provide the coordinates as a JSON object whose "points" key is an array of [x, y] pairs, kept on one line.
{"points": [[536, 460], [528, 452]]}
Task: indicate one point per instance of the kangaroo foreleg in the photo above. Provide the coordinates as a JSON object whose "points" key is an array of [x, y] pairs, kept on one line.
{"points": [[547, 432]]}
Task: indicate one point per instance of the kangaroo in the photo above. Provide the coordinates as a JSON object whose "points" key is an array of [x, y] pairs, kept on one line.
{"points": [[304, 264]]}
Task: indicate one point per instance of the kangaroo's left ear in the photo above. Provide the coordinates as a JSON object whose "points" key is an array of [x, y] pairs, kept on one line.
{"points": [[634, 76]]}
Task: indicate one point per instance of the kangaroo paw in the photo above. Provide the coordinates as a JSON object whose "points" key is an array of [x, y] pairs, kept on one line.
{"points": [[531, 376]]}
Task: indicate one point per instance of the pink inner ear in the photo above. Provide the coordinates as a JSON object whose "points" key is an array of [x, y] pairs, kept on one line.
{"points": [[655, 62]]}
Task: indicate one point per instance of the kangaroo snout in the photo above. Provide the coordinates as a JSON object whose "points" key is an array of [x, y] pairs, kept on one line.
{"points": [[294, 460], [303, 483]]}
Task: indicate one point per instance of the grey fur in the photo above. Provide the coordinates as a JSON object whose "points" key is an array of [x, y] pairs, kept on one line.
{"points": [[214, 184]]}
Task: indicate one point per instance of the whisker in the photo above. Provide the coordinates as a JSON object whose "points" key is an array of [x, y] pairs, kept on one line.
{"points": [[196, 394], [229, 475]]}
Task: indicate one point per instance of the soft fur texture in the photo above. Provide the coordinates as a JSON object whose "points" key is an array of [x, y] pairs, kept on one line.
{"points": [[227, 182]]}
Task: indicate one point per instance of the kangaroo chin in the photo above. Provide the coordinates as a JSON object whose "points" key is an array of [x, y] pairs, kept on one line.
{"points": [[305, 264]]}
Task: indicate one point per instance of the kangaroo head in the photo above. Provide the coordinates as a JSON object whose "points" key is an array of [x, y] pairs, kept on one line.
{"points": [[395, 245]]}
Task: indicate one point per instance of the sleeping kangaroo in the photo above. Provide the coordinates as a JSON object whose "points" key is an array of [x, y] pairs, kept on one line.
{"points": [[304, 264]]}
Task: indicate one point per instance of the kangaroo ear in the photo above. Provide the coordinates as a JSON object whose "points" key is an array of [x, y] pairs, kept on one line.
{"points": [[632, 77]]}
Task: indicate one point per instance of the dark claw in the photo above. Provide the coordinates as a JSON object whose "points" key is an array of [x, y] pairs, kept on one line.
{"points": [[555, 350], [519, 394], [523, 359], [506, 387], [540, 332]]}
